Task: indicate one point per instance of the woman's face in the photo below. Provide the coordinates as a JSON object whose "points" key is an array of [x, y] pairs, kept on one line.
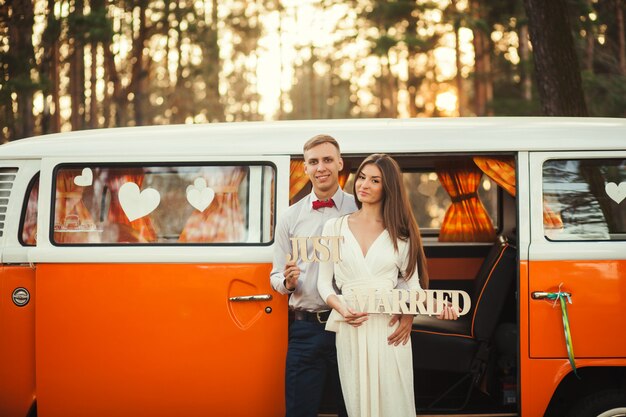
{"points": [[369, 185]]}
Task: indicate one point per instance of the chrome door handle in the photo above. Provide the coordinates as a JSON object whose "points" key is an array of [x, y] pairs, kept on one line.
{"points": [[540, 295], [259, 297]]}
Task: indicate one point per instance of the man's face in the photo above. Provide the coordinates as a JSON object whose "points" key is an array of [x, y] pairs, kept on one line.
{"points": [[322, 164]]}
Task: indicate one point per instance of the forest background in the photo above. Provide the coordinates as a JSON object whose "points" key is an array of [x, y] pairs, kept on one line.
{"points": [[79, 64]]}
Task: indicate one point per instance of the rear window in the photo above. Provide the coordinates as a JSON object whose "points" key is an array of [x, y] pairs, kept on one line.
{"points": [[210, 204]]}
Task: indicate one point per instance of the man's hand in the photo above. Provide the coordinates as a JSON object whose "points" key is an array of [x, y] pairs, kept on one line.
{"points": [[403, 332], [291, 273]]}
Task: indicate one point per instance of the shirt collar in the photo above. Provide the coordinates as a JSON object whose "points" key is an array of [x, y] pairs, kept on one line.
{"points": [[337, 198]]}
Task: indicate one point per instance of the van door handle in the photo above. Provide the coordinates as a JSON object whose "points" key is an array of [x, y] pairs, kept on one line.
{"points": [[540, 295], [259, 297]]}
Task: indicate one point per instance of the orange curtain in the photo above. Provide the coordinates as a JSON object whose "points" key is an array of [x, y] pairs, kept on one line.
{"points": [[223, 220], [29, 231], [73, 222], [466, 219], [298, 179], [344, 174], [119, 229], [502, 171], [551, 220]]}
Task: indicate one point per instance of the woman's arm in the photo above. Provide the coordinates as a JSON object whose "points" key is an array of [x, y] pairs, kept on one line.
{"points": [[326, 270], [326, 289]]}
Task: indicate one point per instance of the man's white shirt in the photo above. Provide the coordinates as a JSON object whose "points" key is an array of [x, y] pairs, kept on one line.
{"points": [[301, 220]]}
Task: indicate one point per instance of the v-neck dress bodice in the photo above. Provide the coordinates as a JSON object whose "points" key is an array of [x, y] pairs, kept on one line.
{"points": [[376, 378]]}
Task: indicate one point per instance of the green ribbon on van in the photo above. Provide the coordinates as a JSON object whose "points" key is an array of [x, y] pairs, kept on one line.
{"points": [[565, 298]]}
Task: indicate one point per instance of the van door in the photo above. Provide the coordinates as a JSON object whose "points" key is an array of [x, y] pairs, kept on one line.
{"points": [[578, 247], [17, 286], [153, 287]]}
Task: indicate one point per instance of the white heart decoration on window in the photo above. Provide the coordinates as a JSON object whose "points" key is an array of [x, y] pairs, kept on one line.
{"points": [[199, 195], [85, 179], [616, 192], [136, 203]]}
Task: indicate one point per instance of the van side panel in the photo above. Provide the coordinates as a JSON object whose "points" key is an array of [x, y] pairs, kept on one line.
{"points": [[596, 313], [159, 340], [536, 377], [17, 347]]}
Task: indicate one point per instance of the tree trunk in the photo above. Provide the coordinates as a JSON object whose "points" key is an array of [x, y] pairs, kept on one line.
{"points": [[216, 110], [393, 90], [137, 84], [619, 16], [93, 100], [312, 93], [556, 64], [56, 85], [77, 72], [483, 80], [21, 61], [458, 78], [525, 73], [118, 111], [412, 84], [590, 40]]}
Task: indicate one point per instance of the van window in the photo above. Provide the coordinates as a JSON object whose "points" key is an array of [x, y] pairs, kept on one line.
{"points": [[430, 201], [585, 199], [28, 220], [163, 204]]}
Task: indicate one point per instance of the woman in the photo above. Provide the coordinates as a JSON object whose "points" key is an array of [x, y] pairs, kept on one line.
{"points": [[382, 249]]}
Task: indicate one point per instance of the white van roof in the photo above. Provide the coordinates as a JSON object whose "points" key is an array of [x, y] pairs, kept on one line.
{"points": [[356, 136]]}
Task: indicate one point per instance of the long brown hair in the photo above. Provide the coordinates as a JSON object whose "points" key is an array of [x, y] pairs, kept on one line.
{"points": [[398, 217]]}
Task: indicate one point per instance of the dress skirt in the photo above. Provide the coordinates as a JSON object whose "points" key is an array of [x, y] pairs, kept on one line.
{"points": [[376, 378]]}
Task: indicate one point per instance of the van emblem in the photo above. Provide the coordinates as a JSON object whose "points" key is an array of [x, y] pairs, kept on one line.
{"points": [[21, 296]]}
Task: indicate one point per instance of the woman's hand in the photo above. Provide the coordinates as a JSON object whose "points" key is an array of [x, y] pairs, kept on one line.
{"points": [[352, 317]]}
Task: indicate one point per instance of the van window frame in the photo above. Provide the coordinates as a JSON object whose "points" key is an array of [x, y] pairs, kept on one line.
{"points": [[431, 235], [137, 163], [541, 248], [29, 190], [543, 184]]}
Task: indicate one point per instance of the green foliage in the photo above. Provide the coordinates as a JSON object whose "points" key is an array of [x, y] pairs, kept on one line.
{"points": [[605, 94], [91, 27], [387, 13], [100, 26], [419, 44], [53, 29], [382, 45]]}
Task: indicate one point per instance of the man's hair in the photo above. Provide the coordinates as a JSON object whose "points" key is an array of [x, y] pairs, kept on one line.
{"points": [[320, 139]]}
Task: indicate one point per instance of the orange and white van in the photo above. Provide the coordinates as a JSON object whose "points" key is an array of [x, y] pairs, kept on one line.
{"points": [[134, 275]]}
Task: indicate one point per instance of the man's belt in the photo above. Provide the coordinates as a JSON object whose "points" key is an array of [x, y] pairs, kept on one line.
{"points": [[312, 316]]}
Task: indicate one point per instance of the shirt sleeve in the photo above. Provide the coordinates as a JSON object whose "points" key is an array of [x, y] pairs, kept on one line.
{"points": [[281, 249], [327, 268], [413, 282]]}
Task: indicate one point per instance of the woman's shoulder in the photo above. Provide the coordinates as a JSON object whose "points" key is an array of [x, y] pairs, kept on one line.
{"points": [[403, 245], [335, 223]]}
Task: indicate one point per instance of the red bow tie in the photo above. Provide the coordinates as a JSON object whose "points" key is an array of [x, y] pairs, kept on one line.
{"points": [[317, 204]]}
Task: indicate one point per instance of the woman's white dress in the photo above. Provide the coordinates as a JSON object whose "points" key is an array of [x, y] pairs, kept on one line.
{"points": [[376, 378]]}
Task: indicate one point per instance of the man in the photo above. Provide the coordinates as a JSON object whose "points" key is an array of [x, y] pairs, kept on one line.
{"points": [[311, 354]]}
